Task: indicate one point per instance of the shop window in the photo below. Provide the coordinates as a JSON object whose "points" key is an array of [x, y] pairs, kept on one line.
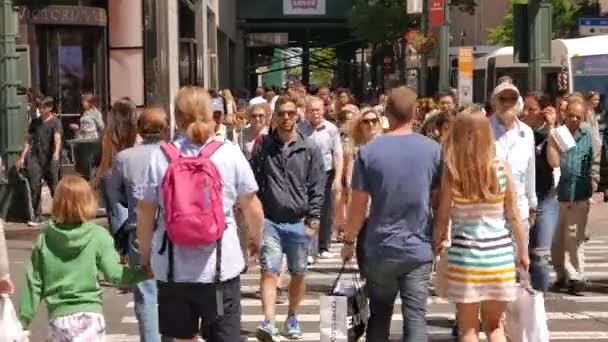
{"points": [[187, 62], [188, 56]]}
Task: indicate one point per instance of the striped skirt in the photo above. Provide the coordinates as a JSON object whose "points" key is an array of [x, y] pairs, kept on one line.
{"points": [[481, 269]]}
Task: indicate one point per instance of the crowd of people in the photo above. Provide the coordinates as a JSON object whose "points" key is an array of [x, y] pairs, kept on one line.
{"points": [[276, 178]]}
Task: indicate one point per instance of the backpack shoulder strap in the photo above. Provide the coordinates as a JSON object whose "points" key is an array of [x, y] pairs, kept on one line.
{"points": [[170, 151], [210, 149]]}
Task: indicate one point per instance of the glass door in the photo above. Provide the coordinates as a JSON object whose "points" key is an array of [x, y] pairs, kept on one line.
{"points": [[72, 62], [74, 59]]}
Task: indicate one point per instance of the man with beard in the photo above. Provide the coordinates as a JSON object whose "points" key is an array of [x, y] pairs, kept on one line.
{"points": [[289, 170]]}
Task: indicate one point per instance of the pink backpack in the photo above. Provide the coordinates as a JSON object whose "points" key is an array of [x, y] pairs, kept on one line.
{"points": [[193, 197]]}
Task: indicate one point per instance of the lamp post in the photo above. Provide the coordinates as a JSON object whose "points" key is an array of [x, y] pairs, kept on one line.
{"points": [[444, 50], [424, 61]]}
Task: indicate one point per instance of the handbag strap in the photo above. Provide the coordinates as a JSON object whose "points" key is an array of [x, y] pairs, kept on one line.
{"points": [[356, 280]]}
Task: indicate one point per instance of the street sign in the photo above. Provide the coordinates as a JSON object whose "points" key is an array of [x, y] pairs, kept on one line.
{"points": [[465, 75], [592, 26], [436, 12]]}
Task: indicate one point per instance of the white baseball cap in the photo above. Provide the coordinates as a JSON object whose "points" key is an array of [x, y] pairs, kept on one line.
{"points": [[505, 86]]}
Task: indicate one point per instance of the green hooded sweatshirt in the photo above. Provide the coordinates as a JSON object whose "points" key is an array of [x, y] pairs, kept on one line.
{"points": [[63, 270]]}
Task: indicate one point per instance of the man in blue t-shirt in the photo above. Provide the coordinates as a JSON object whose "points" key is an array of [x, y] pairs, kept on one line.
{"points": [[397, 172]]}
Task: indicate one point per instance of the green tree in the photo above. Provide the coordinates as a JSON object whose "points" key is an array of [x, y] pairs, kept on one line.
{"points": [[322, 65], [565, 20], [384, 23]]}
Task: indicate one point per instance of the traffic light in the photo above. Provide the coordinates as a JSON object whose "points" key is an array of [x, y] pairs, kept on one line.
{"points": [[525, 25]]}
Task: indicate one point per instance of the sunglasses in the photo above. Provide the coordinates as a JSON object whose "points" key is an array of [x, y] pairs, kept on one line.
{"points": [[369, 121], [507, 98], [290, 113]]}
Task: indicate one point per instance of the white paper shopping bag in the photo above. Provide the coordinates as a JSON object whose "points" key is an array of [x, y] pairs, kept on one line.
{"points": [[334, 315], [10, 327], [526, 319]]}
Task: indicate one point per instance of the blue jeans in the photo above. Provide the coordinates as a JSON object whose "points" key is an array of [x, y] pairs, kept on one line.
{"points": [[386, 278], [284, 238], [118, 215], [144, 295], [541, 239]]}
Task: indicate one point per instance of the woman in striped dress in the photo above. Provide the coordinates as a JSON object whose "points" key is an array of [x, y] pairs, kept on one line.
{"points": [[477, 195]]}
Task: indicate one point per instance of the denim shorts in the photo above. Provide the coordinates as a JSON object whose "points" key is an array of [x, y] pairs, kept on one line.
{"points": [[284, 238]]}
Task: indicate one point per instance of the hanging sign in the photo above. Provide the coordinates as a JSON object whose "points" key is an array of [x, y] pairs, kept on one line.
{"points": [[436, 12]]}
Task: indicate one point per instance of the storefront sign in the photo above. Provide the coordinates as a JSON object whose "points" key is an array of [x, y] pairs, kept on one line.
{"points": [[64, 15], [436, 12], [304, 7], [465, 75]]}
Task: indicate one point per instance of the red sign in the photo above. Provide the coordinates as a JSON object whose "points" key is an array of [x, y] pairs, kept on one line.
{"points": [[436, 12]]}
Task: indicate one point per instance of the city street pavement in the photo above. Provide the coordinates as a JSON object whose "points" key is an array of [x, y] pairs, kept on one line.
{"points": [[570, 318]]}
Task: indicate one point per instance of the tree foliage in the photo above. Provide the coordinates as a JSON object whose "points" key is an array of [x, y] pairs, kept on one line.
{"points": [[382, 21], [322, 65], [565, 20]]}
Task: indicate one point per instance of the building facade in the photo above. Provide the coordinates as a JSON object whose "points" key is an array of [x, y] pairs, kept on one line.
{"points": [[142, 49]]}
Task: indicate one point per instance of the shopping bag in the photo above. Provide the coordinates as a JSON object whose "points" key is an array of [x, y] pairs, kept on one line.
{"points": [[344, 312], [10, 327], [526, 319]]}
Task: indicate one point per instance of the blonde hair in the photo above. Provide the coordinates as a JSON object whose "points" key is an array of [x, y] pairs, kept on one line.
{"points": [[227, 95], [194, 113], [469, 155], [356, 129], [74, 201]]}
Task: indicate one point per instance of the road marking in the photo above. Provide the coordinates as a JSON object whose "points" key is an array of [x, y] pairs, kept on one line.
{"points": [[587, 299], [439, 334], [129, 320], [248, 302], [121, 338], [332, 276]]}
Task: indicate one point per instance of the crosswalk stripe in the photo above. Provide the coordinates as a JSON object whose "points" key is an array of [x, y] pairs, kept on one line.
{"points": [[332, 276], [438, 335], [121, 338], [249, 302], [436, 315], [398, 317]]}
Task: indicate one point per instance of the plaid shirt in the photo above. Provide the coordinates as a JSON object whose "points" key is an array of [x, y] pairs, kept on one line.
{"points": [[576, 169]]}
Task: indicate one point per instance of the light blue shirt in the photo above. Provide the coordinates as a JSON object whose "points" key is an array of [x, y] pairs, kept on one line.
{"points": [[517, 148], [197, 264], [327, 138]]}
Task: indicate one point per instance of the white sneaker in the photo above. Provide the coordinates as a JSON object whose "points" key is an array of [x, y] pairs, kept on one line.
{"points": [[325, 255], [310, 260], [33, 223]]}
